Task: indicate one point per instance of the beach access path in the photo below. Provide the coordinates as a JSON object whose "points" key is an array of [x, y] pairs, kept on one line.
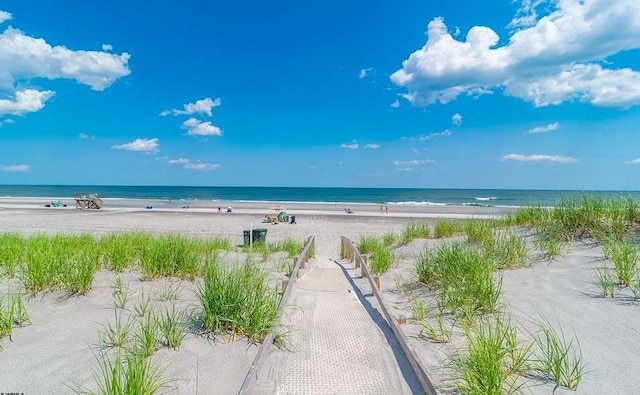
{"points": [[334, 345]]}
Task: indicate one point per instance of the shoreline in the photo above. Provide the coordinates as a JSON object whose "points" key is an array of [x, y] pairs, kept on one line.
{"points": [[264, 208]]}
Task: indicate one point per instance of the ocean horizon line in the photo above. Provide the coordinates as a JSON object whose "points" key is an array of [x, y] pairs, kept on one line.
{"points": [[322, 187], [319, 195]]}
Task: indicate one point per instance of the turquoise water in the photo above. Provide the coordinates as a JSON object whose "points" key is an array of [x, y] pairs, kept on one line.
{"points": [[408, 196]]}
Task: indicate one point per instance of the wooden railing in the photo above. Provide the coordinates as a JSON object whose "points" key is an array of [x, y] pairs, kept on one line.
{"points": [[287, 287], [349, 251]]}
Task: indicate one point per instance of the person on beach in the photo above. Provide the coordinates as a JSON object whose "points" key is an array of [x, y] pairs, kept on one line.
{"points": [[381, 208], [386, 209]]}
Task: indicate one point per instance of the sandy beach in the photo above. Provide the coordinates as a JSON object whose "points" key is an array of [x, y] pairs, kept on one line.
{"points": [[66, 330], [564, 291]]}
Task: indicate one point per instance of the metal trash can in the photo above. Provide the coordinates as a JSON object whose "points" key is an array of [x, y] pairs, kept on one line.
{"points": [[246, 234], [259, 235]]}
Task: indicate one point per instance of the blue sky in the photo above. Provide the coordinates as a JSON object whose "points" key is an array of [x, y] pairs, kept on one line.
{"points": [[523, 94]]}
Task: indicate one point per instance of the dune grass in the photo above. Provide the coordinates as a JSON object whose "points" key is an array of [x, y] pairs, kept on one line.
{"points": [[529, 217], [366, 244], [415, 230], [549, 245], [578, 217], [625, 260], [11, 253], [447, 228], [68, 262], [119, 251], [171, 255], [121, 293], [237, 301], [13, 312], [462, 279], [606, 281], [380, 251], [117, 334], [127, 373], [478, 231], [146, 334], [419, 310], [493, 360], [64, 262], [170, 292], [506, 250], [217, 244], [381, 259], [291, 246], [389, 239], [438, 333], [556, 357], [173, 324]]}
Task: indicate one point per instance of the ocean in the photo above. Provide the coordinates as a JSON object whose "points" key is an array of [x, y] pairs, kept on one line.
{"points": [[406, 196]]}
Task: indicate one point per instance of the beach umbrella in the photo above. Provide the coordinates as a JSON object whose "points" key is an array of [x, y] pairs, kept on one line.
{"points": [[277, 208]]}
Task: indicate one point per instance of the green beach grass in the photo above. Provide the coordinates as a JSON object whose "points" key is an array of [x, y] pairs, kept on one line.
{"points": [[415, 230], [462, 278], [13, 313], [237, 300]]}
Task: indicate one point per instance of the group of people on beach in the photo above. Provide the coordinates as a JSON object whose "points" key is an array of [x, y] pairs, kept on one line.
{"points": [[384, 209]]}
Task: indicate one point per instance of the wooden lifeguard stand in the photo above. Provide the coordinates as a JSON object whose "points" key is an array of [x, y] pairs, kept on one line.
{"points": [[87, 201]]}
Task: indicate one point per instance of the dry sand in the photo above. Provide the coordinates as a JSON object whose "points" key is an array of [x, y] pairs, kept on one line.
{"points": [[565, 292], [56, 348]]}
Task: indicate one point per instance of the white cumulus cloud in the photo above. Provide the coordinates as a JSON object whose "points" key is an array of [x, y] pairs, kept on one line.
{"points": [[352, 145], [365, 72], [196, 127], [539, 158], [189, 164], [25, 57], [204, 106], [15, 168], [372, 146], [413, 162], [547, 60], [140, 145], [444, 133], [107, 47], [6, 122], [543, 129], [201, 166], [180, 161], [395, 104], [5, 16], [456, 119], [633, 161], [85, 136], [410, 165], [27, 100], [527, 14]]}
